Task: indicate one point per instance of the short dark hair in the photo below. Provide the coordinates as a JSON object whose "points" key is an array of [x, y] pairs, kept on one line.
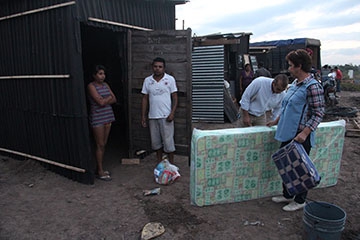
{"points": [[158, 59], [97, 68], [261, 64], [282, 79], [300, 57]]}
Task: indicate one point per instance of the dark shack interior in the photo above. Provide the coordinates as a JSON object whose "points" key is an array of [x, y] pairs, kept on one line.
{"points": [[107, 48]]}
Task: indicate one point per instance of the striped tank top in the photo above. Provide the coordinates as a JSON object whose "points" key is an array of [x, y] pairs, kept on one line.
{"points": [[101, 115]]}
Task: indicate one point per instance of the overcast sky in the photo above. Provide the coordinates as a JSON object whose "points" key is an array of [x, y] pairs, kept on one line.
{"points": [[336, 23]]}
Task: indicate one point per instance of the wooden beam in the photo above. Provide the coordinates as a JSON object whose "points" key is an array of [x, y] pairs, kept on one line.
{"points": [[118, 24], [212, 42], [130, 161], [34, 76], [357, 125], [44, 160], [352, 133], [37, 10]]}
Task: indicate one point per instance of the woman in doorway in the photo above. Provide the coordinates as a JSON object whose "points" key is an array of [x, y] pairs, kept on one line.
{"points": [[246, 76], [101, 116]]}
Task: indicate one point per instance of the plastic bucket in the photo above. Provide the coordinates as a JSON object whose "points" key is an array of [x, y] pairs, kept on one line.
{"points": [[323, 221]]}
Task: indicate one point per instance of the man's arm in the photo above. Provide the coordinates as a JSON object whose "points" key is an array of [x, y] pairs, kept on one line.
{"points": [[272, 123], [246, 118], [174, 98], [144, 107]]}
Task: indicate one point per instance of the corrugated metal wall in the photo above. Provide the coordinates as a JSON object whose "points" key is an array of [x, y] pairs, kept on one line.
{"points": [[208, 84], [42, 93], [42, 105], [147, 14]]}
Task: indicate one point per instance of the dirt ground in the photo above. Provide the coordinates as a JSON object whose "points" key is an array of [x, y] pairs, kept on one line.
{"points": [[38, 204]]}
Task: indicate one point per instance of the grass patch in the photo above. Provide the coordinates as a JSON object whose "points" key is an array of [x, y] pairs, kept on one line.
{"points": [[350, 87]]}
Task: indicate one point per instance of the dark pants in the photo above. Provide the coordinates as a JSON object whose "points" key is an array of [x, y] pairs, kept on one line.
{"points": [[338, 89], [301, 197]]}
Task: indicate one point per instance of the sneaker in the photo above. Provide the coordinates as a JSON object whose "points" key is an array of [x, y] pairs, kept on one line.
{"points": [[281, 199], [293, 206]]}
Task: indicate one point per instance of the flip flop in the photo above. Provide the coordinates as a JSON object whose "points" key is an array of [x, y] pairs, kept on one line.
{"points": [[104, 177], [105, 173]]}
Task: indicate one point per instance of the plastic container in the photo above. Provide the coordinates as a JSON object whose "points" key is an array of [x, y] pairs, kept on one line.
{"points": [[323, 221]]}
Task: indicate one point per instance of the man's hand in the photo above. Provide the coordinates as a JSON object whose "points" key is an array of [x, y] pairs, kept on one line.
{"points": [[246, 120], [171, 117], [143, 122], [271, 123]]}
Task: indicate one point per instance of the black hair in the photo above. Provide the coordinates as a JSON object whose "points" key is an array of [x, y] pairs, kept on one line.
{"points": [[97, 68], [159, 59]]}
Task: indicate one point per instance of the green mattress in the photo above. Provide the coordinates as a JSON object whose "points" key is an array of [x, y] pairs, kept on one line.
{"points": [[234, 165]]}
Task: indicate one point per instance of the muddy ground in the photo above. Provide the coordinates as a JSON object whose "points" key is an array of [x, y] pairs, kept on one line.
{"points": [[38, 204]]}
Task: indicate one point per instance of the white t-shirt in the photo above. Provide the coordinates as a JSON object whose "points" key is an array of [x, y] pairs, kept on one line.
{"points": [[259, 98], [159, 95]]}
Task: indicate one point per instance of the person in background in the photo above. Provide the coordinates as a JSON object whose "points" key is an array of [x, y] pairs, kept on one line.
{"points": [[261, 95], [262, 71], [227, 87], [338, 78], [228, 90], [246, 76], [302, 111], [332, 73], [160, 100], [315, 72], [101, 116], [325, 70]]}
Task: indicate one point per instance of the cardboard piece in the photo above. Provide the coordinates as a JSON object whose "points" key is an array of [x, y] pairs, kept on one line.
{"points": [[129, 161]]}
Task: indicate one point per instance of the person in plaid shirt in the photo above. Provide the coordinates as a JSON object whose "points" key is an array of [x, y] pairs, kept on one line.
{"points": [[302, 111]]}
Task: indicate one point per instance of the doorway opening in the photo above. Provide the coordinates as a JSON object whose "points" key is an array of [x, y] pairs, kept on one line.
{"points": [[108, 48]]}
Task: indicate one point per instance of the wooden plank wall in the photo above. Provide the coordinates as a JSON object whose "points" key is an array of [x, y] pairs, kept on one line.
{"points": [[175, 48]]}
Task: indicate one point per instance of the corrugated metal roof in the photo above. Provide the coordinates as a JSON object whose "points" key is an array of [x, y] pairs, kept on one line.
{"points": [[287, 42], [208, 84]]}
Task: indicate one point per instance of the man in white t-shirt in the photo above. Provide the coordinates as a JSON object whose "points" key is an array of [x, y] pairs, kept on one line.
{"points": [[160, 98], [262, 95]]}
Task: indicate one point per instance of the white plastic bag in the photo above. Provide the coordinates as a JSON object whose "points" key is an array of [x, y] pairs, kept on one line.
{"points": [[166, 173]]}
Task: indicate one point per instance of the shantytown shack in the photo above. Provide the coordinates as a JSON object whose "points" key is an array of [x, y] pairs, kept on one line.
{"points": [[47, 49]]}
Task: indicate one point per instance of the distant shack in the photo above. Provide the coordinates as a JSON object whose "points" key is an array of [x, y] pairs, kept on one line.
{"points": [[272, 53]]}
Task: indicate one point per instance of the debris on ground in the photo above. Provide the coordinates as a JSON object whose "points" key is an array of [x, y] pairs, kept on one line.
{"points": [[166, 173], [255, 223], [152, 230], [155, 191], [129, 161]]}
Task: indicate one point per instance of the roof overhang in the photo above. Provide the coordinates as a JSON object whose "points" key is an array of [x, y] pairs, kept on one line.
{"points": [[175, 2], [219, 39]]}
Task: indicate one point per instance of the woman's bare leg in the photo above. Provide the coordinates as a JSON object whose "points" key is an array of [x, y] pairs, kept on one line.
{"points": [[101, 134]]}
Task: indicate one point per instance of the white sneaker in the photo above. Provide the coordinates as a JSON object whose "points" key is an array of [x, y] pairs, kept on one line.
{"points": [[281, 199], [293, 206]]}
